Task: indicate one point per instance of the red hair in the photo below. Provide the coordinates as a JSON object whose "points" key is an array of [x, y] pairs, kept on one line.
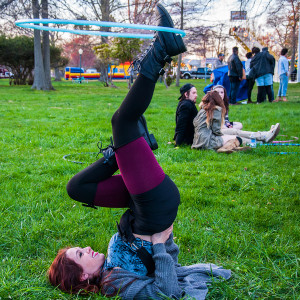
{"points": [[65, 274], [209, 103]]}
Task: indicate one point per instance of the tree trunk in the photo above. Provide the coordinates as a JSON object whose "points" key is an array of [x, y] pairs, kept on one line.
{"points": [[57, 74], [39, 74], [180, 56], [46, 48], [105, 16]]}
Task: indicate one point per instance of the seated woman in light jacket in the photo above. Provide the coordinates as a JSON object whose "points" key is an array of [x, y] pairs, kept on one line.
{"points": [[141, 261]]}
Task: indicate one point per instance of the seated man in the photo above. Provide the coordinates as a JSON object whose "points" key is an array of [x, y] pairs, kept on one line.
{"points": [[185, 113]]}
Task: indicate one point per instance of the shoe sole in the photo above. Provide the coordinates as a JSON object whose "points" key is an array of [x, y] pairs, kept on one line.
{"points": [[275, 135], [245, 148], [225, 151], [177, 38]]}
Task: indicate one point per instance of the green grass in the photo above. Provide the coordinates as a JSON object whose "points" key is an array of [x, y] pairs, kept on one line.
{"points": [[240, 211]]}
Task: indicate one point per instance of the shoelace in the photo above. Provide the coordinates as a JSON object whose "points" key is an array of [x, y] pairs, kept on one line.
{"points": [[106, 151], [135, 65]]}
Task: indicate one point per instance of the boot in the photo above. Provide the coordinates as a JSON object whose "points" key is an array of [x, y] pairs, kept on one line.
{"points": [[109, 151], [229, 146], [163, 46]]}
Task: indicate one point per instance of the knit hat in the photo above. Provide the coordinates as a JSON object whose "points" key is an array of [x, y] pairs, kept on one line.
{"points": [[185, 88]]}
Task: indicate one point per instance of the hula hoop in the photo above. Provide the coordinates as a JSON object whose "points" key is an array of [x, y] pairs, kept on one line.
{"points": [[283, 153], [295, 138], [65, 157], [30, 23], [279, 144]]}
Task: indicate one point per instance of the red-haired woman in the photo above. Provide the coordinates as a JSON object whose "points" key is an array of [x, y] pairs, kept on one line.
{"points": [[141, 261]]}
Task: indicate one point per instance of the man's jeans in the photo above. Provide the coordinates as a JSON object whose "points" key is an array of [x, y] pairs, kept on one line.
{"points": [[283, 84], [234, 87]]}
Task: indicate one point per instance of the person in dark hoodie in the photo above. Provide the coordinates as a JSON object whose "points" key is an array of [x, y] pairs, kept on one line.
{"points": [[235, 74], [262, 70], [185, 113]]}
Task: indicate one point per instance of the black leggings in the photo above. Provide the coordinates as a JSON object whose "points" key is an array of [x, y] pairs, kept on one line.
{"points": [[125, 119], [151, 195]]}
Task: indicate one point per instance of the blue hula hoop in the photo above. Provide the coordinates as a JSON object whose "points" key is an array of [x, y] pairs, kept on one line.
{"points": [[280, 144], [31, 23]]}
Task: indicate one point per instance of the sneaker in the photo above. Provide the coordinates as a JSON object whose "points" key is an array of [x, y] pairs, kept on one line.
{"points": [[270, 136]]}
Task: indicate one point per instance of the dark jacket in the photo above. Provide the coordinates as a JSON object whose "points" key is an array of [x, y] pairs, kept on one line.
{"points": [[261, 64], [235, 66], [185, 113]]}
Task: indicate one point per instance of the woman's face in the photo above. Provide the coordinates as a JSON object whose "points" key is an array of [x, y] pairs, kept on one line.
{"points": [[220, 92], [90, 261]]}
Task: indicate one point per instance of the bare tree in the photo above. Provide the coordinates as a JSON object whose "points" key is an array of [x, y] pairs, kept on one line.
{"points": [[283, 18], [183, 12]]}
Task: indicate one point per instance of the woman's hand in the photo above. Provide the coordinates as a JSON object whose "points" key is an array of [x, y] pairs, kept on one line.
{"points": [[161, 237]]}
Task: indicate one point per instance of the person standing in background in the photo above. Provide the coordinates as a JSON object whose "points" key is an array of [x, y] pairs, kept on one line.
{"points": [[250, 81], [283, 72], [263, 65], [235, 74], [220, 62]]}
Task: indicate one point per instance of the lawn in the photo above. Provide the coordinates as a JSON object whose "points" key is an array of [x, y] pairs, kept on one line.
{"points": [[240, 211]]}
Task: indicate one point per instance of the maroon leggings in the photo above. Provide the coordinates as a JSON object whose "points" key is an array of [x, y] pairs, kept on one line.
{"points": [[139, 168]]}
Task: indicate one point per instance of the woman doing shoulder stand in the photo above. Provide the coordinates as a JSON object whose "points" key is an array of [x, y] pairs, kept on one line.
{"points": [[142, 258]]}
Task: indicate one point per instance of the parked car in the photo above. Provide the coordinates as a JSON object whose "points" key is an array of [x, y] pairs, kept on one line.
{"points": [[6, 75], [200, 73]]}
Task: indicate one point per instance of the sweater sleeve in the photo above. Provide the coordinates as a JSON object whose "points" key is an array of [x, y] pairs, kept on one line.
{"points": [[217, 122], [182, 121], [172, 249], [165, 277]]}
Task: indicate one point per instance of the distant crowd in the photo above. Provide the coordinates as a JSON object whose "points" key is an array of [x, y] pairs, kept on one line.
{"points": [[259, 69], [210, 128]]}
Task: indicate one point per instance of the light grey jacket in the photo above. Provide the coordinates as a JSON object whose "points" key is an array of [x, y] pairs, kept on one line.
{"points": [[170, 279], [208, 137]]}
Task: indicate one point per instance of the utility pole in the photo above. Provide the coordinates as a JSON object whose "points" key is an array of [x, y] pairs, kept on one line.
{"points": [[180, 55], [298, 68]]}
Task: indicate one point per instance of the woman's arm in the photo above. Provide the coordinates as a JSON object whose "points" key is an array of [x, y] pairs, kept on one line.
{"points": [[217, 122], [172, 249], [165, 277]]}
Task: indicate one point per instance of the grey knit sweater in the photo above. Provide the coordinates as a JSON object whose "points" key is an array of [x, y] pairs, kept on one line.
{"points": [[170, 279]]}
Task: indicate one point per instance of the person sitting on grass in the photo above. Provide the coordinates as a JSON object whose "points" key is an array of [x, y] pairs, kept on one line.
{"points": [[185, 113], [209, 132], [234, 128], [142, 259], [227, 124]]}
